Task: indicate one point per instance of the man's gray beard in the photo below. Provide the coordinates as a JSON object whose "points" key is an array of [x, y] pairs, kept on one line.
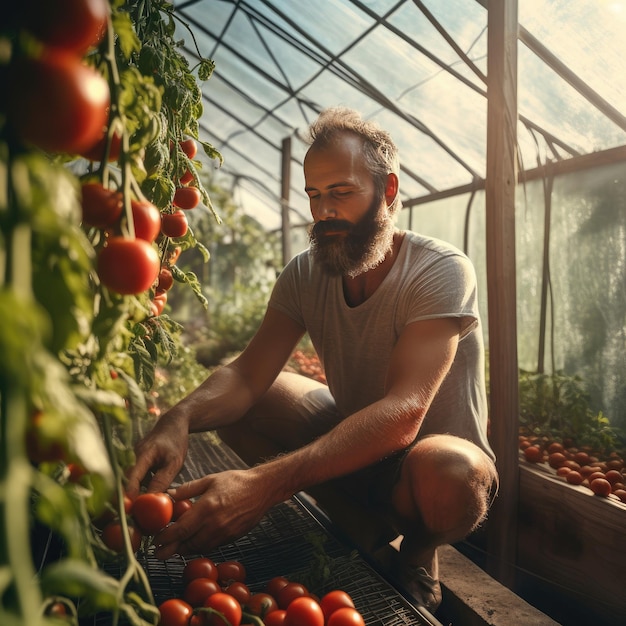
{"points": [[341, 257]]}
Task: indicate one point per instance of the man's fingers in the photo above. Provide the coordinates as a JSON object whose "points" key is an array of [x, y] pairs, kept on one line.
{"points": [[136, 474], [188, 490], [161, 481]]}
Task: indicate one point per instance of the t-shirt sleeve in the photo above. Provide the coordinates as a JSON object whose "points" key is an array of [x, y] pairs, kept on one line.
{"points": [[286, 295], [446, 288]]}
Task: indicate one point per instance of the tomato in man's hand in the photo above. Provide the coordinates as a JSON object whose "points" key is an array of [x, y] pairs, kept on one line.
{"points": [[152, 511]]}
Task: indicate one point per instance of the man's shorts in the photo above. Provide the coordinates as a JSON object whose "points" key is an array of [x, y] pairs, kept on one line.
{"points": [[372, 485]]}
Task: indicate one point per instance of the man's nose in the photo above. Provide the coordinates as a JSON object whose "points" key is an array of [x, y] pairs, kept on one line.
{"points": [[326, 209]]}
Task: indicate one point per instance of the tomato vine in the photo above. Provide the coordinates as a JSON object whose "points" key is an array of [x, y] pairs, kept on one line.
{"points": [[80, 347]]}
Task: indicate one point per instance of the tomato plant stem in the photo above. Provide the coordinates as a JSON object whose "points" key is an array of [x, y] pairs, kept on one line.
{"points": [[15, 477], [134, 571]]}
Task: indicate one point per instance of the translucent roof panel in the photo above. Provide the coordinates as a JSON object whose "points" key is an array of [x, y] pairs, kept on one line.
{"points": [[418, 67]]}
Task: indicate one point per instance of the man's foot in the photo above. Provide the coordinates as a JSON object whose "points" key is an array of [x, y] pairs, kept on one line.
{"points": [[419, 582]]}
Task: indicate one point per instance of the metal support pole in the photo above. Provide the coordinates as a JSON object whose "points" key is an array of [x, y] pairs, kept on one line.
{"points": [[284, 198]]}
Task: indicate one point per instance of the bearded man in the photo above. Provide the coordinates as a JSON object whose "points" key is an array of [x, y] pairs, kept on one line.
{"points": [[399, 435]]}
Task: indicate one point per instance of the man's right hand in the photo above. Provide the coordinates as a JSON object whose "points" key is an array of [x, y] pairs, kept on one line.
{"points": [[162, 451]]}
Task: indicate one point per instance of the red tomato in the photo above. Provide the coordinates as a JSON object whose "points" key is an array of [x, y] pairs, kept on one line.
{"points": [[102, 207], [76, 472], [227, 606], [533, 454], [201, 567], [96, 152], [601, 487], [199, 589], [304, 611], [57, 609], [275, 585], [189, 147], [175, 612], [152, 511], [346, 616], [334, 600], [166, 280], [290, 592], [73, 25], [146, 219], [187, 197], [276, 618], [57, 103], [128, 266], [174, 224], [181, 507], [113, 537], [230, 571], [239, 591], [261, 604], [186, 178]]}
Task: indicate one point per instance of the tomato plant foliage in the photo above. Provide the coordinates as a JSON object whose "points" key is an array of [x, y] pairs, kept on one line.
{"points": [[105, 79]]}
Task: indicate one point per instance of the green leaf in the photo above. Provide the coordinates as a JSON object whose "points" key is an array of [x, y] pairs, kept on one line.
{"points": [[127, 39], [159, 190], [76, 579], [206, 68]]}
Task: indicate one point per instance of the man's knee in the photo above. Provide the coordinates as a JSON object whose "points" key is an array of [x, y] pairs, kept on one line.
{"points": [[450, 482]]}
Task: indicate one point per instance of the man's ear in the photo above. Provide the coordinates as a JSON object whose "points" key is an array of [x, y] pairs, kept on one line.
{"points": [[391, 188]]}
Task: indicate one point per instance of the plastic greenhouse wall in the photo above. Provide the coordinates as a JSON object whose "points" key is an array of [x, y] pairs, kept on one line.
{"points": [[585, 328]]}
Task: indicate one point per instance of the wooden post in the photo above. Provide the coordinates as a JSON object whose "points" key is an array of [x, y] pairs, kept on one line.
{"points": [[284, 198], [501, 284]]}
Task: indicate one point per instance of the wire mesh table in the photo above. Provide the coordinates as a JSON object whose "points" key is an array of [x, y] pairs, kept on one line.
{"points": [[289, 541]]}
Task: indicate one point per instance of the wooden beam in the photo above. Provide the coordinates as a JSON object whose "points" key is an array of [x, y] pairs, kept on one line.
{"points": [[501, 284], [285, 179]]}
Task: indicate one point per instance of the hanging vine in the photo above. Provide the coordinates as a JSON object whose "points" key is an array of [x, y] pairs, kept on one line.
{"points": [[99, 122]]}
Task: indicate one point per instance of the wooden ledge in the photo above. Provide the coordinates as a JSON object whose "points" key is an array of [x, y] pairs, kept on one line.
{"points": [[472, 598]]}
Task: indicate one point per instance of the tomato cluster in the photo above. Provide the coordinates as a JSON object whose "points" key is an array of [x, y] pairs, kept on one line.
{"points": [[54, 100], [308, 365], [216, 594], [579, 466], [127, 262]]}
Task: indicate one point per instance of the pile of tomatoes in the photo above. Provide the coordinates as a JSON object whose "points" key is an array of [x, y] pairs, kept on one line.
{"points": [[216, 594], [605, 477]]}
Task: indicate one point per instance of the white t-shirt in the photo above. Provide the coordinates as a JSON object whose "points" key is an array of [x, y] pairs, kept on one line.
{"points": [[429, 279]]}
